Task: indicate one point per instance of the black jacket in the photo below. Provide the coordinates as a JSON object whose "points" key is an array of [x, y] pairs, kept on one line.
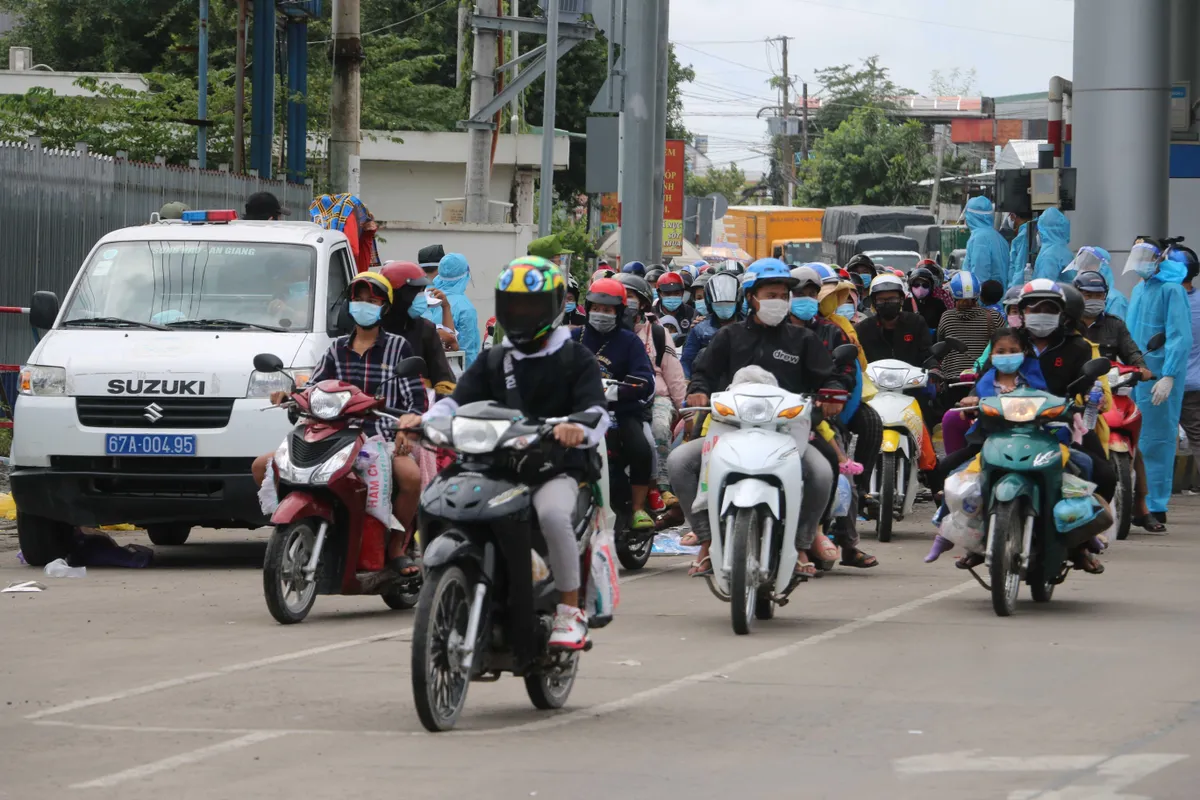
{"points": [[908, 342], [832, 337], [685, 314], [1062, 361], [1111, 334], [794, 355], [422, 336]]}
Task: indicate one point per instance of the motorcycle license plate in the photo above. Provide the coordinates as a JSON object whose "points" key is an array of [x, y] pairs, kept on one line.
{"points": [[149, 444]]}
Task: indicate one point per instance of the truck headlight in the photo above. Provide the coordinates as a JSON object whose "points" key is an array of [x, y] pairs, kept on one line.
{"points": [[42, 381], [262, 384]]}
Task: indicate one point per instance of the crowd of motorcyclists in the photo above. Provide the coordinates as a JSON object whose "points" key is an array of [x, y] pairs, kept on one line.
{"points": [[666, 340]]}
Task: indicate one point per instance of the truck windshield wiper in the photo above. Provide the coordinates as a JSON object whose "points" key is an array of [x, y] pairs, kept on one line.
{"points": [[223, 323], [113, 322]]}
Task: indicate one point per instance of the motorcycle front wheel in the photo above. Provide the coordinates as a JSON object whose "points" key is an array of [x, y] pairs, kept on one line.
{"points": [[439, 683], [744, 565], [1004, 555], [288, 594], [1123, 500], [889, 464]]}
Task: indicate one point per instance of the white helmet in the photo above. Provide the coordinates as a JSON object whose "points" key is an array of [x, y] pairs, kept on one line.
{"points": [[887, 283]]}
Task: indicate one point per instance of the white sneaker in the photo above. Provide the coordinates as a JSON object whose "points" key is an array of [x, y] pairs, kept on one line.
{"points": [[570, 629]]}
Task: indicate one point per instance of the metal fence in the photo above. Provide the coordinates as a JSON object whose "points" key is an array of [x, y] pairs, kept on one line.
{"points": [[55, 204]]}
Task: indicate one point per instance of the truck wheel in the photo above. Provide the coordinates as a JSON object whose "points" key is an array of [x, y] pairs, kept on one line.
{"points": [[42, 540], [171, 534]]}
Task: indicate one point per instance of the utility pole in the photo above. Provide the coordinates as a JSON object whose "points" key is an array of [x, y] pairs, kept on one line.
{"points": [[638, 148], [345, 131], [549, 104], [515, 116], [239, 94], [804, 128], [202, 129], [789, 159], [479, 137], [660, 132], [939, 149]]}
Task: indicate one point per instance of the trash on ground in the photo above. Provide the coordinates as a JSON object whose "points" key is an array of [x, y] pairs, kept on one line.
{"points": [[667, 544], [24, 586], [8, 507], [94, 548], [629, 663], [58, 568]]}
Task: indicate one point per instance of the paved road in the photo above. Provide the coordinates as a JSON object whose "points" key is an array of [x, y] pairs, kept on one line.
{"points": [[893, 683]]}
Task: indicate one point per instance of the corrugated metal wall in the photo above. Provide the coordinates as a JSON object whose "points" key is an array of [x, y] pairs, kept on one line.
{"points": [[57, 203]]}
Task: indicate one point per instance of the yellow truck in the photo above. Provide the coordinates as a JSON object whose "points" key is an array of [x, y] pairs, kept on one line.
{"points": [[793, 234]]}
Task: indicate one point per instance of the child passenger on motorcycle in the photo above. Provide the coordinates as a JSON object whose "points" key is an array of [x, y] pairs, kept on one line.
{"points": [[539, 370], [367, 358]]}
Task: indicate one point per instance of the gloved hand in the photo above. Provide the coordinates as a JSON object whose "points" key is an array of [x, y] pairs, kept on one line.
{"points": [[1162, 390], [611, 393]]}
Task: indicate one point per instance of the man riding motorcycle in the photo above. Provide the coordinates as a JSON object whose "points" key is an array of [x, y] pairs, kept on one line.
{"points": [[801, 364]]}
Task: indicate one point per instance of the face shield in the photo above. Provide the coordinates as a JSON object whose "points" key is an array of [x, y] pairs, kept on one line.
{"points": [[1086, 260], [1143, 259]]}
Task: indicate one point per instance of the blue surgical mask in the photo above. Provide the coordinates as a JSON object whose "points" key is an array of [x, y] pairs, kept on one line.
{"points": [[1146, 268], [845, 310], [654, 295], [746, 307], [298, 290], [365, 314], [702, 308], [672, 302], [419, 304], [804, 307], [569, 308], [1008, 363], [725, 310]]}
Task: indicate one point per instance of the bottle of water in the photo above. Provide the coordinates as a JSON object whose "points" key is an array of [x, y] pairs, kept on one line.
{"points": [[1092, 409]]}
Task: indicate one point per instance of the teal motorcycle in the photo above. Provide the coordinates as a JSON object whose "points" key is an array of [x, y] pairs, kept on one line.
{"points": [[1022, 466]]}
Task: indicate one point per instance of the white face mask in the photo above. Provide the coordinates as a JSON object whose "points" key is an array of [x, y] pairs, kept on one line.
{"points": [[772, 312]]}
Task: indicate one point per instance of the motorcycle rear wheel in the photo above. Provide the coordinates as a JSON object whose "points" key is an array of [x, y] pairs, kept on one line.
{"points": [[289, 596], [1123, 500], [889, 463], [744, 562], [439, 685], [633, 555], [1004, 557], [549, 691]]}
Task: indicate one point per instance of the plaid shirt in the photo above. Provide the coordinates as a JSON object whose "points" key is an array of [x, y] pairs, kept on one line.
{"points": [[372, 372]]}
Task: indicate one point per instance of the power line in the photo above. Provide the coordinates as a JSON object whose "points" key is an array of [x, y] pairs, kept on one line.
{"points": [[418, 15], [726, 60]]}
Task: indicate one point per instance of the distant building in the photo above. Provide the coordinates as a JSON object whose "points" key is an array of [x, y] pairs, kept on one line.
{"points": [[695, 156], [24, 73]]}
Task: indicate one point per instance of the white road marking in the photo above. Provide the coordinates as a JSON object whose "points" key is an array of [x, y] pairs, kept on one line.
{"points": [[612, 706], [972, 761], [204, 676], [181, 760], [1116, 773], [161, 729]]}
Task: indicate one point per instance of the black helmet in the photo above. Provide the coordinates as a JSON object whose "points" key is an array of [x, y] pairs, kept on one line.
{"points": [[654, 273], [1091, 281], [700, 282], [688, 280], [637, 286], [1073, 307], [922, 273]]}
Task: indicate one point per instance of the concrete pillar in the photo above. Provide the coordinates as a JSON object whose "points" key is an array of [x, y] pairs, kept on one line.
{"points": [[638, 227], [1185, 20], [1121, 124], [524, 210]]}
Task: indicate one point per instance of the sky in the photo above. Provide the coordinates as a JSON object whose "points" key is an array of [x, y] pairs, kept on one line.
{"points": [[1014, 46]]}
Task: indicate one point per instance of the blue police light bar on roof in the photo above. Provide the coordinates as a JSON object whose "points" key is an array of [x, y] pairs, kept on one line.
{"points": [[209, 216]]}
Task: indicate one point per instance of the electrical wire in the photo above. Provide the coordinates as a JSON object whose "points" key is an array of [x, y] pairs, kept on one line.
{"points": [[726, 60], [418, 15]]}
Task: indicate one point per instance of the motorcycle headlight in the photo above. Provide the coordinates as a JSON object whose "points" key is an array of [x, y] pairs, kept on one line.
{"points": [[327, 405], [755, 409], [326, 471], [436, 435], [1020, 409], [477, 435], [42, 381], [890, 378], [262, 384]]}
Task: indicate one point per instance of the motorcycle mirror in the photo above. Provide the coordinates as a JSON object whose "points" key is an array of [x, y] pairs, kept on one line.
{"points": [[1156, 342], [939, 350], [1097, 367], [955, 344], [844, 354], [410, 367], [268, 362]]}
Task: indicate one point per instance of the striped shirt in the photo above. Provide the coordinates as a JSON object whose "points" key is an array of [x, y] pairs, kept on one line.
{"points": [[372, 372], [974, 329]]}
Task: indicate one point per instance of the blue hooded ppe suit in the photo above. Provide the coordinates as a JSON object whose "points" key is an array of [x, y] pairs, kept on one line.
{"points": [[1117, 304], [987, 252], [1017, 254], [1054, 253], [1160, 304], [453, 275]]}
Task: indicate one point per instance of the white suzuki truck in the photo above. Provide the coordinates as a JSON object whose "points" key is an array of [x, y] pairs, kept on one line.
{"points": [[141, 403]]}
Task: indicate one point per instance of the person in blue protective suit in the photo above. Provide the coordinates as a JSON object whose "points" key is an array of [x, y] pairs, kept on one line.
{"points": [[1097, 259], [987, 252], [452, 276], [1054, 254], [1018, 252], [1160, 305]]}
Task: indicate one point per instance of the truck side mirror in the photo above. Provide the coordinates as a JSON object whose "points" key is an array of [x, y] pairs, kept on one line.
{"points": [[339, 322], [43, 310]]}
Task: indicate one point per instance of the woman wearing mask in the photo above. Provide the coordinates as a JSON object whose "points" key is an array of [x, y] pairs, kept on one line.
{"points": [[573, 315], [453, 274], [929, 305], [970, 324]]}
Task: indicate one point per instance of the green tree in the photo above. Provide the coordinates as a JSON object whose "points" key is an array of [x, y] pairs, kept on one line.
{"points": [[868, 159], [729, 182], [846, 89], [677, 75]]}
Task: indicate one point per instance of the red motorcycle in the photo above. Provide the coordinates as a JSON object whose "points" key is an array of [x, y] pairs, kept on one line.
{"points": [[1124, 428], [325, 541]]}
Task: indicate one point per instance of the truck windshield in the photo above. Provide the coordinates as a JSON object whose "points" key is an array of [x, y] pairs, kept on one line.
{"points": [[801, 252], [190, 284], [905, 262]]}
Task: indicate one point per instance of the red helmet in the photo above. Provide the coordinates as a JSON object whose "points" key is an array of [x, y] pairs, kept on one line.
{"points": [[670, 280], [607, 292], [404, 273]]}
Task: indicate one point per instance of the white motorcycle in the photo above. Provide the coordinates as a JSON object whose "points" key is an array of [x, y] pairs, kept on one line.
{"points": [[752, 478], [895, 478]]}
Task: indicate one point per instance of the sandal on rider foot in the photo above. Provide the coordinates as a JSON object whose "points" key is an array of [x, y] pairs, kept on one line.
{"points": [[1150, 523], [1088, 562], [969, 560], [805, 570], [405, 567], [701, 569], [853, 557]]}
